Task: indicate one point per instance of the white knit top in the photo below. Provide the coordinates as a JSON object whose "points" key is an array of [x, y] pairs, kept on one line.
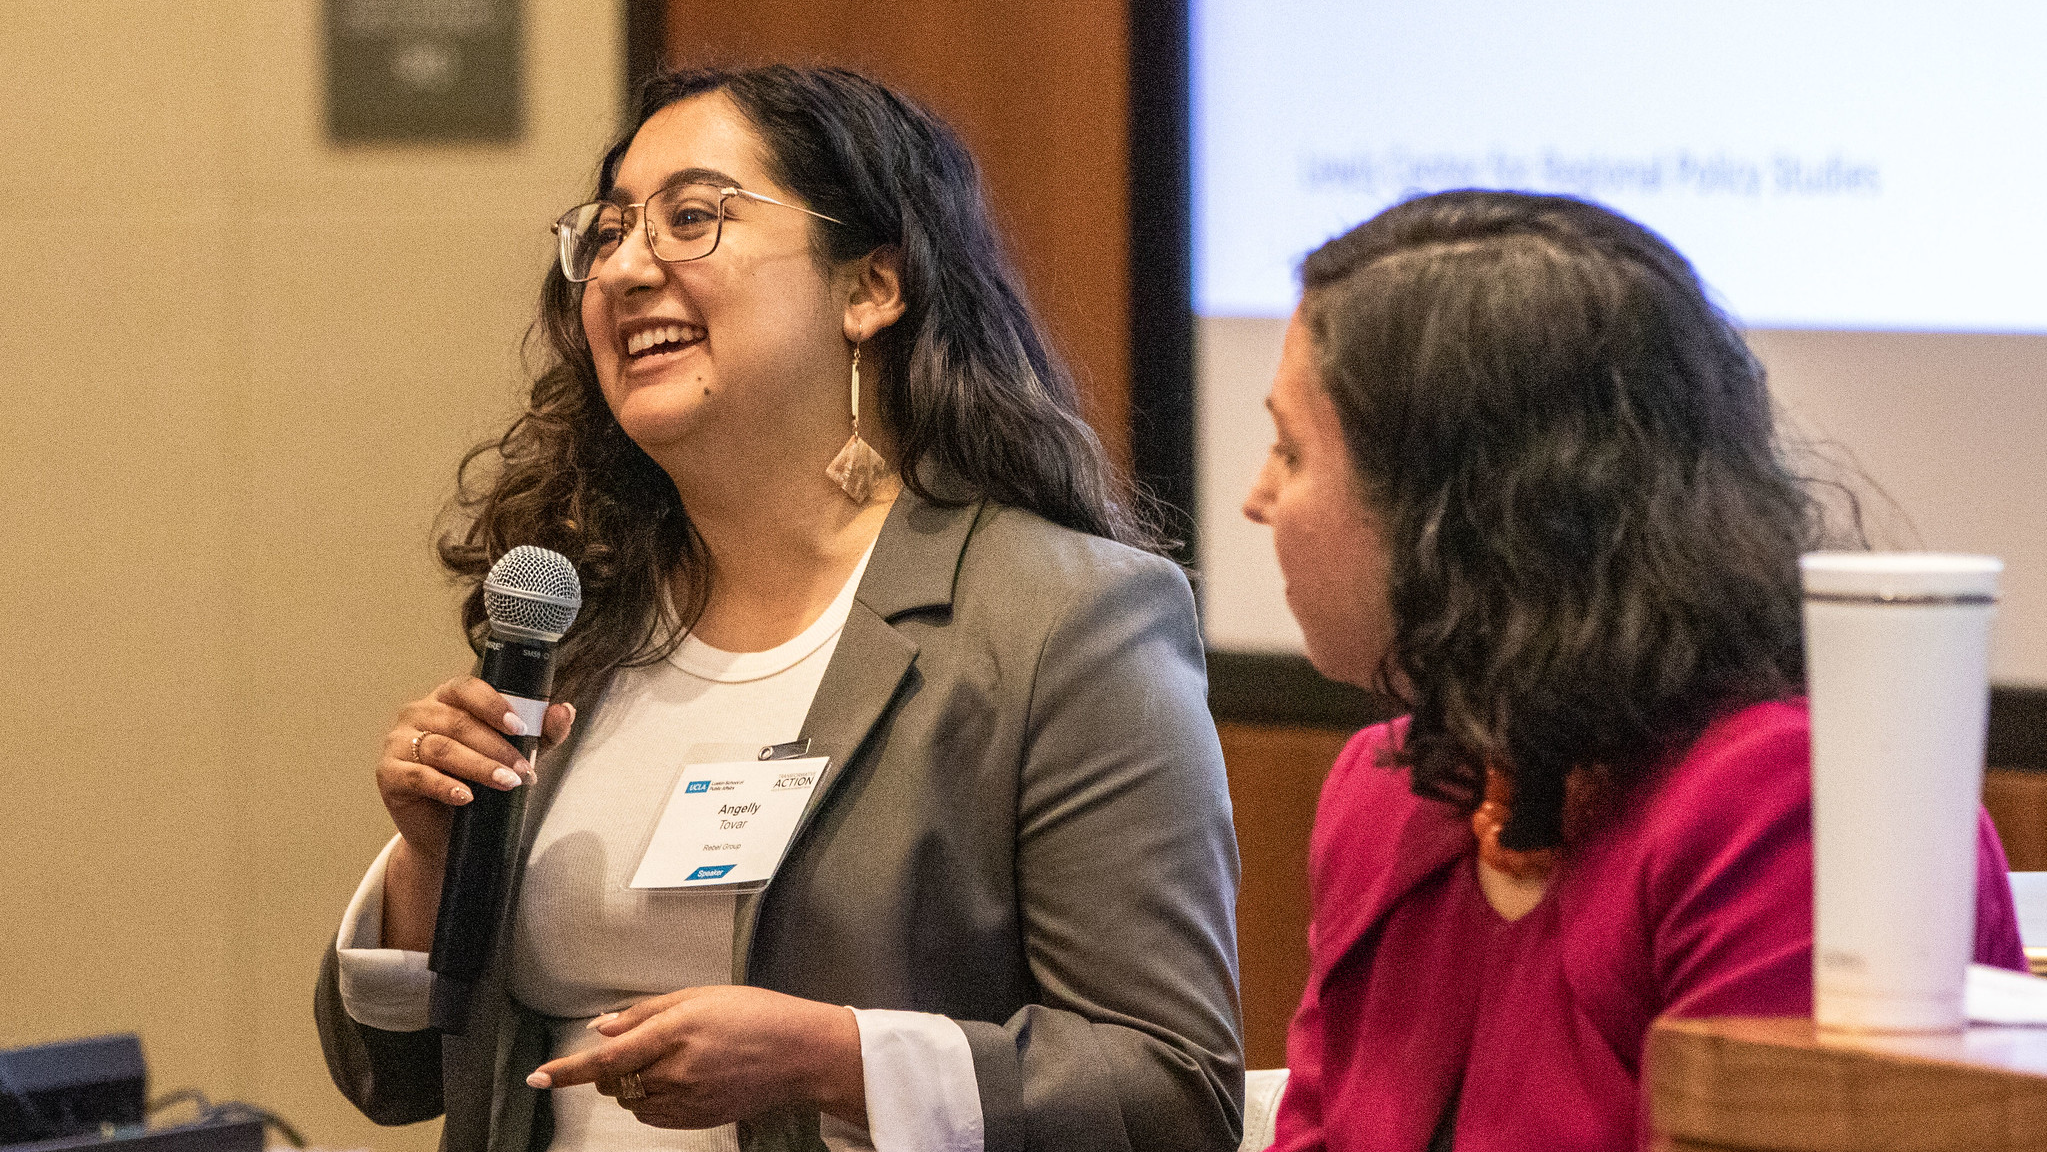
{"points": [[584, 943]]}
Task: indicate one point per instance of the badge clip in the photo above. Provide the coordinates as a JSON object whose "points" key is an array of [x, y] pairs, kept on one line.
{"points": [[793, 750]]}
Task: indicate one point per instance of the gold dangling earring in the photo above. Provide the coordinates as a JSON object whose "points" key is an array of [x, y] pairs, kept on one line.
{"points": [[857, 467]]}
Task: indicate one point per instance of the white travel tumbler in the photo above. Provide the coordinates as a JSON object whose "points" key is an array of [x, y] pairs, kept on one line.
{"points": [[1897, 663]]}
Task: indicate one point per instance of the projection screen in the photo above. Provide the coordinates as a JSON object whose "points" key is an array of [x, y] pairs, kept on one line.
{"points": [[1862, 186]]}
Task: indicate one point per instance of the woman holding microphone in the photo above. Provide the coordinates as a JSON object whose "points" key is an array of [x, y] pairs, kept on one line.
{"points": [[1526, 481], [828, 492]]}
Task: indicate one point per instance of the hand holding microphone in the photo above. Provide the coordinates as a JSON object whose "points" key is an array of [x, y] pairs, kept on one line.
{"points": [[451, 773]]}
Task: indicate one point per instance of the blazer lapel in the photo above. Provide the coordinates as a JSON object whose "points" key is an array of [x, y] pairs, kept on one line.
{"points": [[866, 669], [916, 558], [1430, 837]]}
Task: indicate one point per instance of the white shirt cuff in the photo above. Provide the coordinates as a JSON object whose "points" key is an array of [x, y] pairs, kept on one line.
{"points": [[921, 1091], [382, 987]]}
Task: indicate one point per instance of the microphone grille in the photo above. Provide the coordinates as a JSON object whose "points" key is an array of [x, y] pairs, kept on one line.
{"points": [[533, 591]]}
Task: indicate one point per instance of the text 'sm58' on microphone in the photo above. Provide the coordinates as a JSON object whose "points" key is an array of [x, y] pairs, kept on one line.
{"points": [[531, 596]]}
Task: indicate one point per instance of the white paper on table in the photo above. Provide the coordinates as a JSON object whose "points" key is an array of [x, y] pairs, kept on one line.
{"points": [[2002, 996]]}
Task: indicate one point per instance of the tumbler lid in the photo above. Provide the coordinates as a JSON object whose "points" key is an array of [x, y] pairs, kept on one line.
{"points": [[1901, 577]]}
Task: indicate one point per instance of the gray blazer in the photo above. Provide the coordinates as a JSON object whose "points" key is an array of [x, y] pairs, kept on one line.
{"points": [[1024, 826]]}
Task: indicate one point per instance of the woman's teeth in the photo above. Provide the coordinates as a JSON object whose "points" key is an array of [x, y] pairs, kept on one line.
{"points": [[649, 338]]}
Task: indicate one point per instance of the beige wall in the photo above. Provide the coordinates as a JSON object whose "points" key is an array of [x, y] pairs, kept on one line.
{"points": [[237, 366]]}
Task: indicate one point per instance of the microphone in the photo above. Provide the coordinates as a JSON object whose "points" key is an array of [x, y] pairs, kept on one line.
{"points": [[532, 595]]}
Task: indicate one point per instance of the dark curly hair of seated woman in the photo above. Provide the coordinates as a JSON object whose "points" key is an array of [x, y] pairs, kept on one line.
{"points": [[1574, 448]]}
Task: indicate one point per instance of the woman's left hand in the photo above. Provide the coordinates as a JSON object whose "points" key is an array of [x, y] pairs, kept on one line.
{"points": [[712, 1055]]}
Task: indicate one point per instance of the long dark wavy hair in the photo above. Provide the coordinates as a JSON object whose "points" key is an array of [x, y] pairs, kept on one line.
{"points": [[1592, 527], [979, 405]]}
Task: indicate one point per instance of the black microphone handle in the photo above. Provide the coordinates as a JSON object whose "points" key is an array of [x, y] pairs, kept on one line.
{"points": [[482, 841]]}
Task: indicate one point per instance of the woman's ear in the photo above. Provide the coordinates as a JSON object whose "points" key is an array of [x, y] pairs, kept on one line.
{"points": [[875, 298]]}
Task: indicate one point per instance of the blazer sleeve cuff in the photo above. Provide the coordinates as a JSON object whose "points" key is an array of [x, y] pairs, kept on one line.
{"points": [[922, 1092], [383, 988], [998, 1072]]}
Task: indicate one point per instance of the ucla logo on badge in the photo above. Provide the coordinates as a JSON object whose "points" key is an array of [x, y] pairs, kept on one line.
{"points": [[698, 786], [710, 872]]}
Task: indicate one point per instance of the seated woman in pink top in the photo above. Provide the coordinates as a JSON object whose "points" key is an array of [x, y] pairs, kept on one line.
{"points": [[1526, 481]]}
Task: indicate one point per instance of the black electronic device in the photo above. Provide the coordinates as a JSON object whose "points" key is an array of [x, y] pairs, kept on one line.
{"points": [[204, 1136], [70, 1088]]}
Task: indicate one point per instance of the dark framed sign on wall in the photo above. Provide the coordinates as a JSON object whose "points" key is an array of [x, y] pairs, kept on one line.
{"points": [[424, 71]]}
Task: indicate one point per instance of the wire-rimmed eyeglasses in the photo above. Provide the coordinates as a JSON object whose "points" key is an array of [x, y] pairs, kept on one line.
{"points": [[683, 222]]}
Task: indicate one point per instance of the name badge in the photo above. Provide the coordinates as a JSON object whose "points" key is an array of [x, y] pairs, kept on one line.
{"points": [[728, 823]]}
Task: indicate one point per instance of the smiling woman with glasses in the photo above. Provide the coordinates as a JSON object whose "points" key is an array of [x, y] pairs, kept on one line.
{"points": [[832, 500]]}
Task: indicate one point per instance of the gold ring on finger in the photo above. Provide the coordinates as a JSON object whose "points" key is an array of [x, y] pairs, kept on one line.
{"points": [[630, 1088], [415, 748]]}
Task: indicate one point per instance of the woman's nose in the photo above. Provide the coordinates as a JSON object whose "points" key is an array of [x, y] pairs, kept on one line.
{"points": [[1258, 499], [633, 261]]}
